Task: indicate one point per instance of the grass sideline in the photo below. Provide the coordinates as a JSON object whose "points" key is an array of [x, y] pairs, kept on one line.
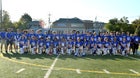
{"points": [[90, 66]]}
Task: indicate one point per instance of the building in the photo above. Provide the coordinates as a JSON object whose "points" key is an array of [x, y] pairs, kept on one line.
{"points": [[88, 25], [99, 26], [35, 25], [68, 24]]}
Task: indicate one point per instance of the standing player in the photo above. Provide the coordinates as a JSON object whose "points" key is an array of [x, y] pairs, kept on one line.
{"points": [[9, 39], [128, 39], [17, 37], [136, 44], [3, 39]]}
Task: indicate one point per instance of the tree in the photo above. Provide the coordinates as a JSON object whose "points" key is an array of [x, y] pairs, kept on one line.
{"points": [[124, 20], [136, 24], [6, 22], [113, 25], [121, 25], [24, 20]]}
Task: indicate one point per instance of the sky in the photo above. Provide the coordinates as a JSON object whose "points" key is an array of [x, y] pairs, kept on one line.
{"points": [[83, 9]]}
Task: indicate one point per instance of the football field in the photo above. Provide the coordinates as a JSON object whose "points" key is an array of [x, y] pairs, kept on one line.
{"points": [[14, 65]]}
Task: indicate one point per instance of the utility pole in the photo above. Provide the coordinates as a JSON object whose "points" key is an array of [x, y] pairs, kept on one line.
{"points": [[0, 13], [49, 21]]}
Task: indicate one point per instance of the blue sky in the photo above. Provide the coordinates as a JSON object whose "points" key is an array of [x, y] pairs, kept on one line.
{"points": [[83, 9]]}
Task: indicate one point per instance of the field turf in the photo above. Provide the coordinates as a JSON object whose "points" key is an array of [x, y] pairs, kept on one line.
{"points": [[68, 66]]}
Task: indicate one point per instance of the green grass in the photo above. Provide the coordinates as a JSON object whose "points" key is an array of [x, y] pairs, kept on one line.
{"points": [[65, 67]]}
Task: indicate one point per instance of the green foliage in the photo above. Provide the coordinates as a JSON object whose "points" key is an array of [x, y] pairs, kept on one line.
{"points": [[136, 24], [6, 22], [24, 20], [36, 66], [121, 25], [113, 25]]}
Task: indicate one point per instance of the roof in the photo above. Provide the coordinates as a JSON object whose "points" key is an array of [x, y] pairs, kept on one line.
{"points": [[34, 22], [87, 21], [69, 20]]}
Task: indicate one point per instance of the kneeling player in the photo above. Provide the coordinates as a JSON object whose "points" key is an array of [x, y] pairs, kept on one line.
{"points": [[41, 45], [23, 44], [33, 43], [124, 47]]}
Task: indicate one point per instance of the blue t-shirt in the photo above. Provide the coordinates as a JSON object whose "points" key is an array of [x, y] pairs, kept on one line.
{"points": [[85, 44], [2, 34], [10, 35], [48, 44], [136, 39], [92, 43], [115, 43], [106, 44], [55, 43], [33, 43], [17, 36], [78, 44], [99, 44], [41, 43], [22, 42], [70, 44], [123, 44], [40, 35]]}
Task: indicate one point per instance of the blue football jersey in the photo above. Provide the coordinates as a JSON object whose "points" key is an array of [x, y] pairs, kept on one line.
{"points": [[48, 44], [3, 34], [41, 43]]}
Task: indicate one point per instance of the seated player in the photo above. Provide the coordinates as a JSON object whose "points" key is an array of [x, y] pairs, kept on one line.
{"points": [[40, 45], [23, 44], [99, 46], [33, 43], [55, 44], [48, 46], [114, 46], [78, 46], [62, 45], [124, 47]]}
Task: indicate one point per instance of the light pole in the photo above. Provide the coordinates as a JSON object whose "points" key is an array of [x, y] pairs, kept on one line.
{"points": [[49, 21], [0, 13]]}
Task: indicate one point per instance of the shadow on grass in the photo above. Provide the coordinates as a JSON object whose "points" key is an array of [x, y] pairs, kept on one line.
{"points": [[35, 56], [100, 57], [64, 57]]}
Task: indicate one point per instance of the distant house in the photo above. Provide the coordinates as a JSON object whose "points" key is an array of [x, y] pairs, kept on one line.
{"points": [[88, 25], [35, 25], [98, 26], [68, 24]]}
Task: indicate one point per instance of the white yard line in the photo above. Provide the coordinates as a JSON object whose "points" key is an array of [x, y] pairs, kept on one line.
{"points": [[51, 68], [78, 71], [133, 71], [20, 70], [107, 72], [48, 69]]}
